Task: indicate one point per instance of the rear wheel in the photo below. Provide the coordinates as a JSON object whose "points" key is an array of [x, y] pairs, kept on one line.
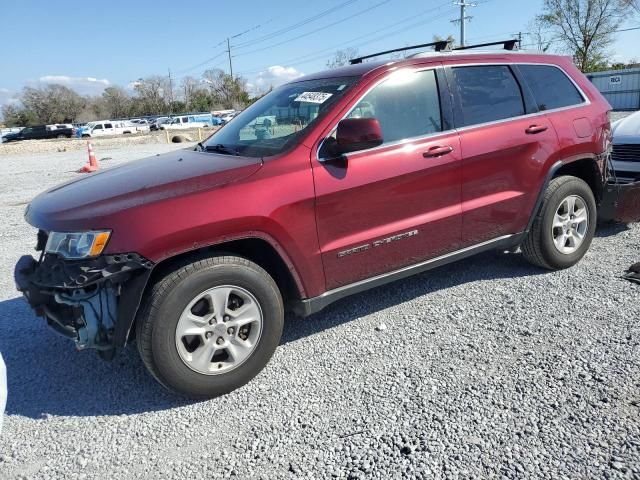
{"points": [[210, 326], [563, 229]]}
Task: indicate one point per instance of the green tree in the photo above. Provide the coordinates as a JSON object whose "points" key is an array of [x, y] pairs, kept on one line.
{"points": [[15, 116], [584, 28]]}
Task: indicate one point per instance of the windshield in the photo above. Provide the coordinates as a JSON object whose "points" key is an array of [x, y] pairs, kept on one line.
{"points": [[278, 120]]}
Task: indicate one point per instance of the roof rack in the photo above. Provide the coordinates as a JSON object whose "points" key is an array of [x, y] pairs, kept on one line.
{"points": [[512, 44], [438, 47]]}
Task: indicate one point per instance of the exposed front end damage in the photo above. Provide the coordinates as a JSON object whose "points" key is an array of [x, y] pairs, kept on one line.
{"points": [[91, 301]]}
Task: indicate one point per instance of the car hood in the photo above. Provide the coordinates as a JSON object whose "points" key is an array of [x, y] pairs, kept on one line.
{"points": [[627, 130], [87, 201]]}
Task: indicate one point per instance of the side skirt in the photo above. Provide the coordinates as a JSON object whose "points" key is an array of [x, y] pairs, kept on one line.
{"points": [[313, 305]]}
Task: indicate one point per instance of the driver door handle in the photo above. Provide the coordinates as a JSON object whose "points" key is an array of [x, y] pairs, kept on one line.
{"points": [[533, 129], [438, 151]]}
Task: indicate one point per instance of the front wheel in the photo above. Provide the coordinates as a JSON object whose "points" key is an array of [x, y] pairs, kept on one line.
{"points": [[210, 326], [563, 229]]}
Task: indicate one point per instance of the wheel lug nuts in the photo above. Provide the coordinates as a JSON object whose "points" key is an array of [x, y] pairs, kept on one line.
{"points": [[220, 341], [227, 318], [208, 335], [230, 330], [212, 321]]}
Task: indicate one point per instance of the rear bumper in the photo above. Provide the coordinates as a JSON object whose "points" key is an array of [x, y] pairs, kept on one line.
{"points": [[620, 203], [92, 302]]}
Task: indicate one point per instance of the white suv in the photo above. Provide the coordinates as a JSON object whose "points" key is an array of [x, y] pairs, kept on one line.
{"points": [[626, 148]]}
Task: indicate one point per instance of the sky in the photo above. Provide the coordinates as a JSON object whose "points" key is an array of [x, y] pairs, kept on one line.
{"points": [[90, 46]]}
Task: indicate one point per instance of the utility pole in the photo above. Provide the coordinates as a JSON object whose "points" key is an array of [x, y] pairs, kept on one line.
{"points": [[170, 92], [229, 52], [463, 18]]}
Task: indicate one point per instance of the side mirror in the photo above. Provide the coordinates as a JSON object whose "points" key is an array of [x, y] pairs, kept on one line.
{"points": [[355, 134]]}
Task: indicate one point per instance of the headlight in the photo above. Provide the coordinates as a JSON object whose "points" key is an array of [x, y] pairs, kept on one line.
{"points": [[77, 245]]}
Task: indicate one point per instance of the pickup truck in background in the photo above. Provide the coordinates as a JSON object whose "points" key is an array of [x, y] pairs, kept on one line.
{"points": [[109, 127], [192, 121], [41, 131]]}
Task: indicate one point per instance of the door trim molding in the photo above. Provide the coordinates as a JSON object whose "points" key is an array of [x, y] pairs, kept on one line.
{"points": [[309, 306]]}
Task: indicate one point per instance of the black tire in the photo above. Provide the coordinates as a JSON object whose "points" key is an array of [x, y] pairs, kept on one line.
{"points": [[60, 136], [538, 247], [166, 300]]}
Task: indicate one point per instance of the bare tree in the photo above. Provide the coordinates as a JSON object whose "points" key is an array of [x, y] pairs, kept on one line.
{"points": [[226, 91], [153, 95], [190, 86], [116, 102], [584, 27], [539, 37], [342, 57], [633, 4], [53, 103]]}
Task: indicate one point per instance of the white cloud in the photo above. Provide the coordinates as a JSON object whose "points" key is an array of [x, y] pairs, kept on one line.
{"points": [[82, 85], [7, 97], [272, 77]]}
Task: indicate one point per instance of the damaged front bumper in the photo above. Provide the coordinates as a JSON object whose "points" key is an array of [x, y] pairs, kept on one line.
{"points": [[92, 301], [620, 202]]}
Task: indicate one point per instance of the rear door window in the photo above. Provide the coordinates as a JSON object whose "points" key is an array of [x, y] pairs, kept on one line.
{"points": [[487, 94], [406, 104], [550, 87], [108, 125]]}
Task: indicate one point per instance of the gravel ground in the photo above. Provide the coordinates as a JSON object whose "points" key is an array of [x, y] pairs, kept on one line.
{"points": [[485, 368]]}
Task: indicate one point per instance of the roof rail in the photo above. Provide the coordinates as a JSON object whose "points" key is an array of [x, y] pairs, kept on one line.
{"points": [[438, 47], [512, 44]]}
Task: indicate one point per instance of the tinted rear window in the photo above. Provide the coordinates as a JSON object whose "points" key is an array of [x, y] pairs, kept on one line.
{"points": [[487, 93], [550, 87]]}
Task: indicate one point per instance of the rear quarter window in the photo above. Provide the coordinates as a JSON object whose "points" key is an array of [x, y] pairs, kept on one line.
{"points": [[551, 87]]}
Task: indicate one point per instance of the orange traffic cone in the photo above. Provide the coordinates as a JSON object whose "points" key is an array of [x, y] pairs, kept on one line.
{"points": [[92, 166]]}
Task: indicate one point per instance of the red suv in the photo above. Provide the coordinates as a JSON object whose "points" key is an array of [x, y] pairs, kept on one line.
{"points": [[329, 185]]}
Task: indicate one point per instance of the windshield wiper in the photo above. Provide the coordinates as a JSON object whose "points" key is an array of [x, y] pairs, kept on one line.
{"points": [[219, 148]]}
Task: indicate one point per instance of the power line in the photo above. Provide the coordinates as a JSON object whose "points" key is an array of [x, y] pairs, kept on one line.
{"points": [[296, 25], [324, 27], [348, 43], [377, 31]]}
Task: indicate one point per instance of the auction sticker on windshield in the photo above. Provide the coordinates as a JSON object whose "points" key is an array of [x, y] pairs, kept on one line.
{"points": [[313, 97]]}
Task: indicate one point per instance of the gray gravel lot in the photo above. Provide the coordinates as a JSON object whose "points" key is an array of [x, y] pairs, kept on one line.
{"points": [[486, 368]]}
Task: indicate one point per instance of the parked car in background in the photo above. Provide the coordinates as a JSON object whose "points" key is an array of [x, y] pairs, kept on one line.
{"points": [[112, 127], [39, 132], [155, 125], [226, 118], [201, 120], [626, 148], [7, 131]]}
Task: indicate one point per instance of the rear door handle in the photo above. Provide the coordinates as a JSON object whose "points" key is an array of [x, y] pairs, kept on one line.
{"points": [[438, 151], [533, 129]]}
